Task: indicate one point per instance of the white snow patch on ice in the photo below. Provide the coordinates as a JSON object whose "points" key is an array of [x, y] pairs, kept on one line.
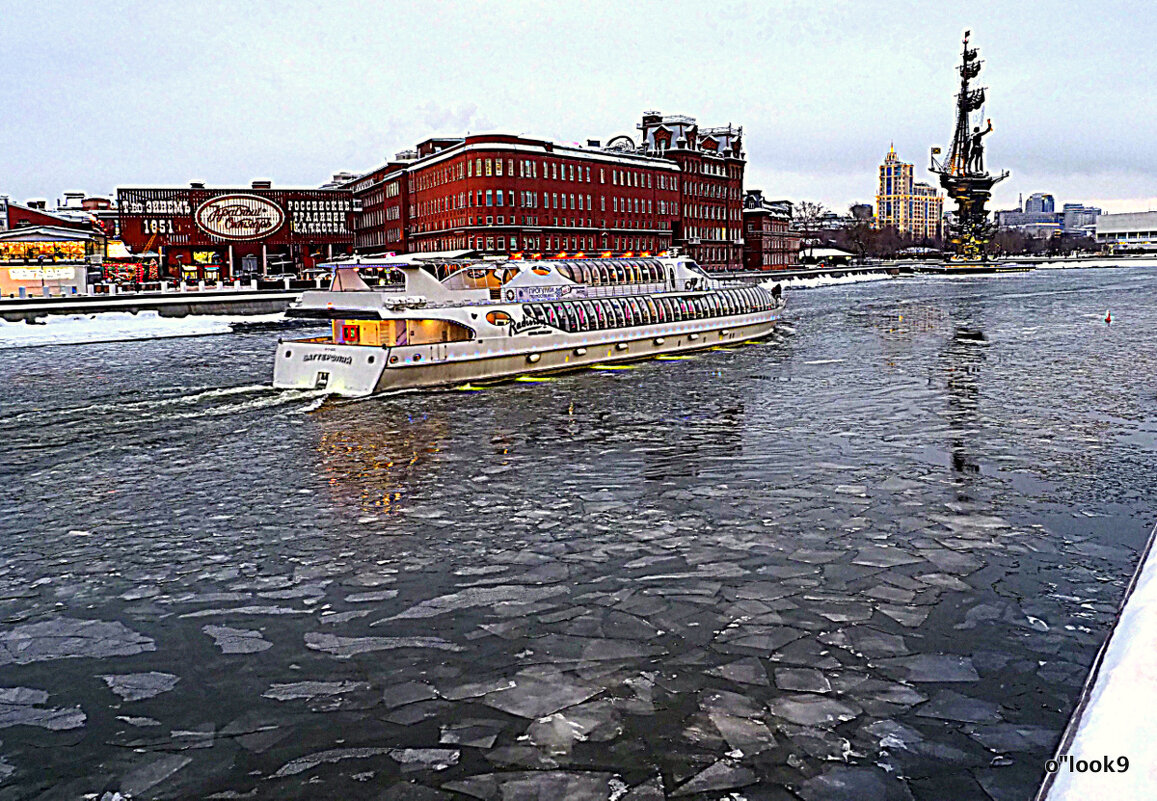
{"points": [[77, 329]]}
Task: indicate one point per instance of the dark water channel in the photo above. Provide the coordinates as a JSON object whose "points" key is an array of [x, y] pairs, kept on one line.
{"points": [[870, 559]]}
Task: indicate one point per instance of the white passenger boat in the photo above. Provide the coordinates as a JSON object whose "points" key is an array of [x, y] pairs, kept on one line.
{"points": [[451, 323]]}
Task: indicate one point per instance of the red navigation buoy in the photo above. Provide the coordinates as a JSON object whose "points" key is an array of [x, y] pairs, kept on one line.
{"points": [[1108, 317]]}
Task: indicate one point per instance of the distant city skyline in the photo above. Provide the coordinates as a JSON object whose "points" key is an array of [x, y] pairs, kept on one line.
{"points": [[131, 93]]}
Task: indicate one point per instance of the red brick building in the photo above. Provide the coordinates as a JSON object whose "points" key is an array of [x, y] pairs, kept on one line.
{"points": [[215, 234], [768, 244], [711, 164], [502, 194]]}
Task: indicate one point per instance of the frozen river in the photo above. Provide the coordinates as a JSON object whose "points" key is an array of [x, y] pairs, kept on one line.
{"points": [[870, 559]]}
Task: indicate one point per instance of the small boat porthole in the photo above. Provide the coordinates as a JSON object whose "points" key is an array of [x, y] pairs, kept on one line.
{"points": [[370, 360], [288, 353], [417, 357], [534, 357], [393, 360]]}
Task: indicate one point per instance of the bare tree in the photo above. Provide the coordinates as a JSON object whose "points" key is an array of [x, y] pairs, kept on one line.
{"points": [[807, 216]]}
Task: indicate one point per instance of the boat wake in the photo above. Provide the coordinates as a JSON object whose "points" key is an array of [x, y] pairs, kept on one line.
{"points": [[192, 403]]}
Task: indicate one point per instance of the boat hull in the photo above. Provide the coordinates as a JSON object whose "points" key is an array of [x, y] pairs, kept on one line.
{"points": [[355, 371]]}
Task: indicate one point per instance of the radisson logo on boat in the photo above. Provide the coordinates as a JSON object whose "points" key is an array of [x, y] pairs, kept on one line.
{"points": [[239, 217]]}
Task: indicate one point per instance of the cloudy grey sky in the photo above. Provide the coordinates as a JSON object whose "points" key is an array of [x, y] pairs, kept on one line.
{"points": [[98, 95]]}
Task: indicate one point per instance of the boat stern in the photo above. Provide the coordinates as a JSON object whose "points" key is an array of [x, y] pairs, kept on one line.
{"points": [[348, 370]]}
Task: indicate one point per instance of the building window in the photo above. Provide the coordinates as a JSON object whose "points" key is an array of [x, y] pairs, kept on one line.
{"points": [[588, 175], [571, 172], [497, 166], [489, 168], [489, 194], [498, 196], [602, 176]]}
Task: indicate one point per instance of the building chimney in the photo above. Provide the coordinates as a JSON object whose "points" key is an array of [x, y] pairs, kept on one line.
{"points": [[196, 184], [262, 185], [594, 143]]}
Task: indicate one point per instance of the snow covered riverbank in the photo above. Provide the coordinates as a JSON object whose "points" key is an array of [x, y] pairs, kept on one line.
{"points": [[80, 329]]}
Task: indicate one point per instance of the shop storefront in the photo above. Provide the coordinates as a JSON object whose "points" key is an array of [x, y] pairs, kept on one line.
{"points": [[44, 260], [212, 235]]}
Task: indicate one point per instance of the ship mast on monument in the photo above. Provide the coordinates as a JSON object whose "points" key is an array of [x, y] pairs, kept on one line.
{"points": [[962, 171]]}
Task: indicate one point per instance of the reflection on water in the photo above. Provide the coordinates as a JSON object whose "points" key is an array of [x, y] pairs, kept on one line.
{"points": [[872, 558], [964, 359], [369, 461]]}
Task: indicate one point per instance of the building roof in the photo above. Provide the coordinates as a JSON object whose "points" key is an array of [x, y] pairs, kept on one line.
{"points": [[45, 233]]}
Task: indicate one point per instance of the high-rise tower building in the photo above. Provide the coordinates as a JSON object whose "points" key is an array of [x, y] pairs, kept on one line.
{"points": [[909, 206]]}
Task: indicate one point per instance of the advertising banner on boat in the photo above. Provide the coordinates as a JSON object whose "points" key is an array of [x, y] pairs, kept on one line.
{"points": [[532, 294]]}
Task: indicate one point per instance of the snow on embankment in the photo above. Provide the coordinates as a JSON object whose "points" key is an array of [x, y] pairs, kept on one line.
{"points": [[827, 280], [78, 329]]}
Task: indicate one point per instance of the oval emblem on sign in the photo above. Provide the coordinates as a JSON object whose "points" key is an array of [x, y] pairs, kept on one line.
{"points": [[239, 217]]}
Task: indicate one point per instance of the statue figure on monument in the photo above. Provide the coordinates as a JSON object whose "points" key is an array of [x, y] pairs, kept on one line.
{"points": [[976, 149]]}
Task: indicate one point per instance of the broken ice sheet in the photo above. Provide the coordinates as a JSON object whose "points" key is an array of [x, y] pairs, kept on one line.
{"points": [[721, 775], [302, 764], [411, 759], [345, 647], [812, 710], [883, 556], [136, 686], [931, 667], [477, 596], [949, 705], [854, 783], [21, 706], [472, 732], [313, 689], [535, 697], [806, 680], [237, 641], [408, 693], [557, 733], [70, 638], [538, 785], [139, 780], [743, 671]]}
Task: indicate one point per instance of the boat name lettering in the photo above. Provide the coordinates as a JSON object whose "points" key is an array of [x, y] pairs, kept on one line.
{"points": [[328, 357], [518, 328], [239, 217]]}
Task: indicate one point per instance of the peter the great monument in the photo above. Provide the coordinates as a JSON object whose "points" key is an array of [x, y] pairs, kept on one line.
{"points": [[962, 172]]}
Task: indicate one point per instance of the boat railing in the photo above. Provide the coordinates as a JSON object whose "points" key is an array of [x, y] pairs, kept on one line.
{"points": [[618, 290]]}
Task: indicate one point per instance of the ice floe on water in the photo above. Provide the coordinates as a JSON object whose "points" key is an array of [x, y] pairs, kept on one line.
{"points": [[137, 686], [79, 329], [23, 706], [237, 641], [70, 638]]}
